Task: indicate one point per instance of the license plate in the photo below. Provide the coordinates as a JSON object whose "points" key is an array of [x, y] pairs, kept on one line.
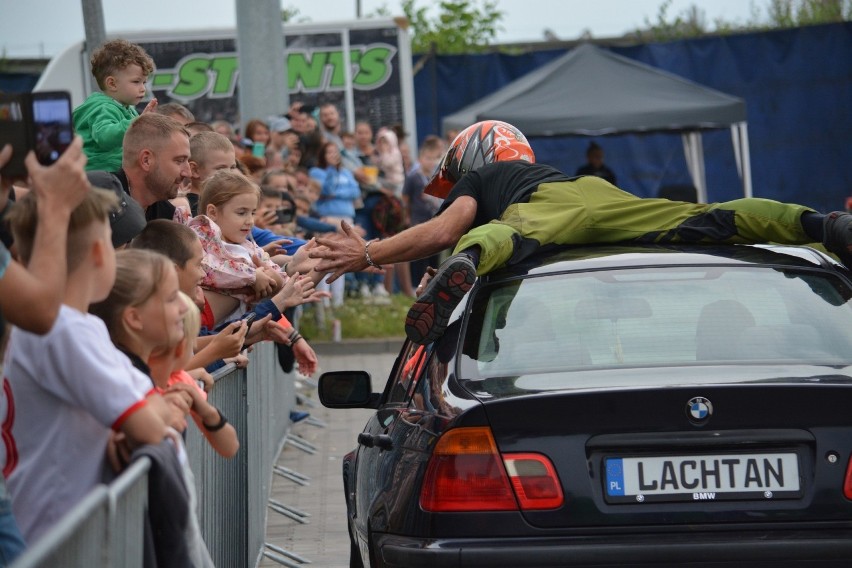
{"points": [[702, 477]]}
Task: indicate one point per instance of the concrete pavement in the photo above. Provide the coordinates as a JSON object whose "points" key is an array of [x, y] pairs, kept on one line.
{"points": [[324, 540]]}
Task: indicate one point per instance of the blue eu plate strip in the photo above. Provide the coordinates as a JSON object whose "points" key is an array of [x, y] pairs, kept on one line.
{"points": [[614, 477]]}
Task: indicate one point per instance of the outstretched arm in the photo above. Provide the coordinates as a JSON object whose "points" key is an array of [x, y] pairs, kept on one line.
{"points": [[346, 252], [31, 296]]}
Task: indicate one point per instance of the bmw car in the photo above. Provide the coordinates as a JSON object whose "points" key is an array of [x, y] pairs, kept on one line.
{"points": [[616, 406]]}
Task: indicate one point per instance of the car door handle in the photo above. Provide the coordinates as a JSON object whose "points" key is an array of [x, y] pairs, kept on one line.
{"points": [[381, 441]]}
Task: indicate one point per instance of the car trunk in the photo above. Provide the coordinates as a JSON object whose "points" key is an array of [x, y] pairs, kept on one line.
{"points": [[686, 455]]}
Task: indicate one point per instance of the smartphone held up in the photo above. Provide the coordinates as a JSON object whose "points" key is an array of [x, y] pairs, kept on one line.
{"points": [[35, 121], [249, 319]]}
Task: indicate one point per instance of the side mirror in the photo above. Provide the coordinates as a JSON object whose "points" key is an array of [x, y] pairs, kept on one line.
{"points": [[347, 389]]}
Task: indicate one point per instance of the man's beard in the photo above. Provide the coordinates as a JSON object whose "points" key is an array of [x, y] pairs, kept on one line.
{"points": [[161, 185]]}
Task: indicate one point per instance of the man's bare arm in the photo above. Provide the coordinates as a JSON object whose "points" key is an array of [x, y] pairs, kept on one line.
{"points": [[345, 253]]}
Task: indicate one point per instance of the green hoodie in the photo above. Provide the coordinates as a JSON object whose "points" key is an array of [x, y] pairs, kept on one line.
{"points": [[102, 121]]}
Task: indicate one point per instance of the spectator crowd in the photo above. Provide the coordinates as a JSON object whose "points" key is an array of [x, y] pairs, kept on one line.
{"points": [[156, 250]]}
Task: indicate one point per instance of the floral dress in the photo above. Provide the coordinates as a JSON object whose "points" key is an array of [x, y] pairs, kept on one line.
{"points": [[228, 267]]}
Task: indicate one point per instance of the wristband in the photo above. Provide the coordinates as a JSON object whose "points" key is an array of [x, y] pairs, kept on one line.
{"points": [[219, 425], [367, 254], [293, 337]]}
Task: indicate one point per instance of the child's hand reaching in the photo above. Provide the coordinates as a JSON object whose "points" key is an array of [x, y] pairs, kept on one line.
{"points": [[315, 296], [303, 263], [305, 357], [291, 293], [300, 289], [151, 106], [276, 247]]}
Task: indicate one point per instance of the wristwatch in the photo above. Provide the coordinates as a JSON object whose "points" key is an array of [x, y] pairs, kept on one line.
{"points": [[219, 425]]}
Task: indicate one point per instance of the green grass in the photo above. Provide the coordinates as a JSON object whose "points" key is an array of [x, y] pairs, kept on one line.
{"points": [[358, 320]]}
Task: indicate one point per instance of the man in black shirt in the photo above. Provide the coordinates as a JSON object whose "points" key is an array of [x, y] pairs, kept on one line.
{"points": [[499, 207], [594, 165]]}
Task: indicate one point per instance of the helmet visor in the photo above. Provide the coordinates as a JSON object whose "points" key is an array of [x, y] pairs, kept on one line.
{"points": [[439, 186], [443, 181]]}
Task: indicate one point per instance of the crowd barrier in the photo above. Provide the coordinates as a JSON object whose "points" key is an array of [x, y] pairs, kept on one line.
{"points": [[105, 529]]}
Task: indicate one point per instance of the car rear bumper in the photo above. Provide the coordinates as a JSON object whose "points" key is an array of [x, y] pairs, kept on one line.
{"points": [[766, 549]]}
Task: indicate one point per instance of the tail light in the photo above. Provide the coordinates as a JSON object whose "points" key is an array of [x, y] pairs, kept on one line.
{"points": [[847, 480], [534, 481], [467, 473]]}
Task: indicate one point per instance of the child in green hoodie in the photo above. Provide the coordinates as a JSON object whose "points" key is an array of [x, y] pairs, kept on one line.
{"points": [[121, 69]]}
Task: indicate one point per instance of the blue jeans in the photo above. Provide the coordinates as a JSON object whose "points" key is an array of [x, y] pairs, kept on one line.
{"points": [[11, 542], [364, 219]]}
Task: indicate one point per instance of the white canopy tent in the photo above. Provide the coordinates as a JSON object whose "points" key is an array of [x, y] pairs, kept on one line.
{"points": [[591, 92]]}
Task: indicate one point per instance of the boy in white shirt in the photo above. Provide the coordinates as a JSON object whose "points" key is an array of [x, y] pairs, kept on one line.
{"points": [[64, 391]]}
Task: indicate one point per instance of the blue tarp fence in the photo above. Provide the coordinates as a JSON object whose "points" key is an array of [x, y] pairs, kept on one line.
{"points": [[797, 85]]}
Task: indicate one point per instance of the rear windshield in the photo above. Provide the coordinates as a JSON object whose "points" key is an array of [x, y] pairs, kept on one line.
{"points": [[659, 317]]}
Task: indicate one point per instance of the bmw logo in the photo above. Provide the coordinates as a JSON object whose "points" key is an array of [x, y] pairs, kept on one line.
{"points": [[699, 410]]}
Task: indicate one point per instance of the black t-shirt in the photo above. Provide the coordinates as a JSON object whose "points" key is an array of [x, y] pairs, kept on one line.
{"points": [[192, 198], [157, 210], [601, 172], [497, 186]]}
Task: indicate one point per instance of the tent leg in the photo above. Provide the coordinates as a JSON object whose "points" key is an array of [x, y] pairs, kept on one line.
{"points": [[746, 159], [693, 149]]}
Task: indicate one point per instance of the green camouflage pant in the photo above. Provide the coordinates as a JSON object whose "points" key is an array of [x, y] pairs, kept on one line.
{"points": [[590, 210]]}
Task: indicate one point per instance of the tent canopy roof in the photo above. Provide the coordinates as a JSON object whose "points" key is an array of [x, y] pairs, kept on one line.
{"points": [[591, 91]]}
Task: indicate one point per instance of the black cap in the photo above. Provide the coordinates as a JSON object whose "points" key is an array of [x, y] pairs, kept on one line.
{"points": [[128, 219]]}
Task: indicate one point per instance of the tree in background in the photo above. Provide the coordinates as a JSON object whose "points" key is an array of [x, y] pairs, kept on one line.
{"points": [[290, 15], [461, 26], [692, 22], [794, 13]]}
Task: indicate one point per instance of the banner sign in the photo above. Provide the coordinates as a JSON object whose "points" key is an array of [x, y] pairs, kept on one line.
{"points": [[202, 74]]}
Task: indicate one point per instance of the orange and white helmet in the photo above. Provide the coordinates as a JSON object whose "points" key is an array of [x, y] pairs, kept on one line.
{"points": [[482, 143]]}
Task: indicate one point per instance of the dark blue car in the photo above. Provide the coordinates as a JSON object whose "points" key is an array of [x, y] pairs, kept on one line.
{"points": [[629, 406]]}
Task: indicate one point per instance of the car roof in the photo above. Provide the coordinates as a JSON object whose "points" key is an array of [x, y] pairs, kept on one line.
{"points": [[552, 260]]}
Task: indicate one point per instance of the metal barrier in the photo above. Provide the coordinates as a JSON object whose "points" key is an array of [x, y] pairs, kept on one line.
{"points": [[232, 494], [105, 529]]}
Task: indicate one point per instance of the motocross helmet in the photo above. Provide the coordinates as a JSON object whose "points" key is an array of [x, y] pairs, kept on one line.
{"points": [[482, 143]]}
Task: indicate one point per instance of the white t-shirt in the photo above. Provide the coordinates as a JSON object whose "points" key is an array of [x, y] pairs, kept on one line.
{"points": [[62, 392]]}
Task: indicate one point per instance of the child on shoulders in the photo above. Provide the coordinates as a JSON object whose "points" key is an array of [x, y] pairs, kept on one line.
{"points": [[121, 69]]}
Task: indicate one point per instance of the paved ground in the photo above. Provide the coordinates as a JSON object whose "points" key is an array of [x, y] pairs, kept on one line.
{"points": [[324, 540]]}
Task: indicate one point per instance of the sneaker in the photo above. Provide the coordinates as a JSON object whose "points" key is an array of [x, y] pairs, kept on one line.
{"points": [[428, 317], [380, 295], [364, 291], [298, 415], [379, 290], [837, 236]]}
